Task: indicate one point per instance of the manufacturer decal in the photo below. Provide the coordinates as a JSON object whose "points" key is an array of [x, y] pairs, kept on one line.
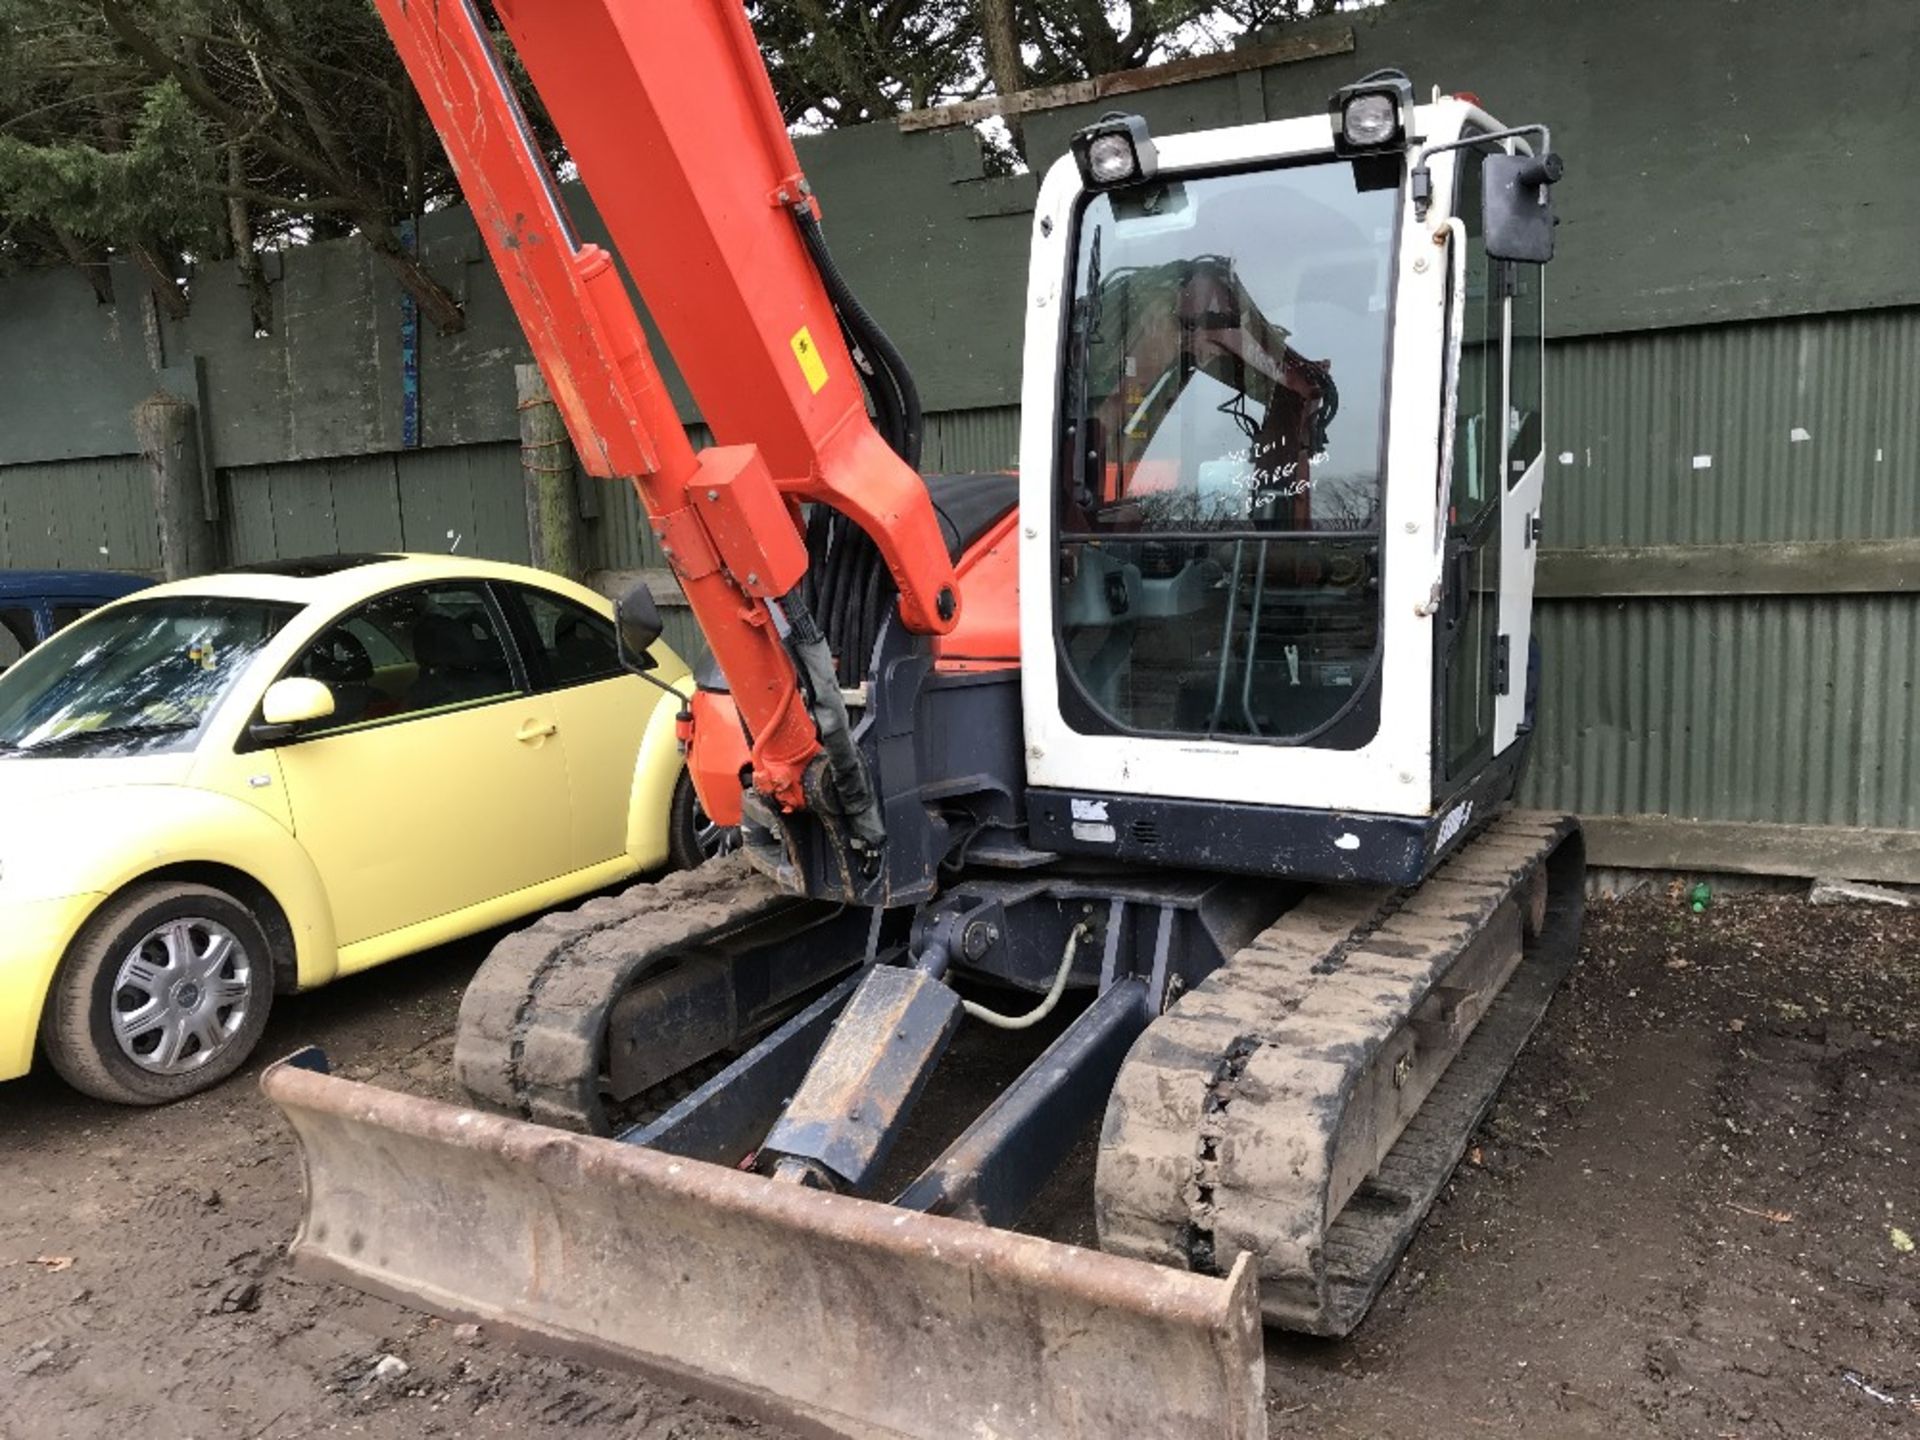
{"points": [[1452, 824]]}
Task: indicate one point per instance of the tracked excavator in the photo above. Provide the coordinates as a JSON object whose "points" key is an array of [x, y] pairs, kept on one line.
{"points": [[1218, 807]]}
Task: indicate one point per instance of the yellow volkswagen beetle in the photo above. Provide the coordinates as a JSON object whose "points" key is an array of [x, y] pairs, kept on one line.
{"points": [[221, 790]]}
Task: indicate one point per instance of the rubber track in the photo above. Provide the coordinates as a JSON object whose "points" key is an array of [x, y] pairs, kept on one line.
{"points": [[1218, 1136], [532, 1033]]}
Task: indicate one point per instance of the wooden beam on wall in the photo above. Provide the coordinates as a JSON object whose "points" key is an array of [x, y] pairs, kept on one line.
{"points": [[664, 584], [1309, 45], [1788, 567], [1738, 847], [1813, 567]]}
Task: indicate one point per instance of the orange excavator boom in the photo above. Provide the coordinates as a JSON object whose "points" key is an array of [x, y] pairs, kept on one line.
{"points": [[668, 114]]}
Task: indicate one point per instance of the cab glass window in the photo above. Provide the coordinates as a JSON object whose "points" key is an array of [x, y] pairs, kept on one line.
{"points": [[1219, 486], [1525, 372], [572, 645], [410, 653], [1476, 441]]}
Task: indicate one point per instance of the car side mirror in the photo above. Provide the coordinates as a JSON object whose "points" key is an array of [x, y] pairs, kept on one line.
{"points": [[289, 704], [1516, 206], [637, 623]]}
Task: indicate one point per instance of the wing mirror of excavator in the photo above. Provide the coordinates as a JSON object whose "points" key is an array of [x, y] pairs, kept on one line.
{"points": [[637, 622], [1516, 214]]}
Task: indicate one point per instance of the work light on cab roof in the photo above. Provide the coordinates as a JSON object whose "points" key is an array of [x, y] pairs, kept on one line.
{"points": [[1116, 151], [1372, 114]]}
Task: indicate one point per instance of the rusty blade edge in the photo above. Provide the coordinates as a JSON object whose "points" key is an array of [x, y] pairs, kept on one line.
{"points": [[523, 1334], [318, 1104]]}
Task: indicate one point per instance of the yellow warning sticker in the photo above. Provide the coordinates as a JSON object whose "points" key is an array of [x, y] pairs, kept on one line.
{"points": [[811, 365]]}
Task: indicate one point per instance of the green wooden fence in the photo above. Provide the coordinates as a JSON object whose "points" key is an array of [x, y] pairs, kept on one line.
{"points": [[1729, 610]]}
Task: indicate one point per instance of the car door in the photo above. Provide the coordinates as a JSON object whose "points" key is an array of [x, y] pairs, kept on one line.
{"points": [[18, 633], [603, 713], [439, 782]]}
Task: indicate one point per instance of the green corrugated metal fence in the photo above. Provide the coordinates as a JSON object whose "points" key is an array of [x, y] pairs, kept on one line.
{"points": [[1802, 429], [1726, 383], [85, 514], [464, 499]]}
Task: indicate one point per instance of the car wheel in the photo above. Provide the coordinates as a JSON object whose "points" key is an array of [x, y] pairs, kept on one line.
{"points": [[164, 993], [692, 835]]}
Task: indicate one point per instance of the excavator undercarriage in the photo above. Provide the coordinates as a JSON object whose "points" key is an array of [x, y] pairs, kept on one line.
{"points": [[1276, 1125]]}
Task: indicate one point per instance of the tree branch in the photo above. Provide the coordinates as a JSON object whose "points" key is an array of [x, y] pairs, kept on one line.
{"points": [[298, 204]]}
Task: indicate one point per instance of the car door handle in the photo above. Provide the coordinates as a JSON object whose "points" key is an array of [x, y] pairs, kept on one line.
{"points": [[532, 730]]}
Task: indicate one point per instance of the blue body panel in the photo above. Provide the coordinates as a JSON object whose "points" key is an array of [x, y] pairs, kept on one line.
{"points": [[40, 591]]}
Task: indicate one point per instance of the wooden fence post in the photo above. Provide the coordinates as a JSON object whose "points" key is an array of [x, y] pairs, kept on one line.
{"points": [[169, 434], [547, 465]]}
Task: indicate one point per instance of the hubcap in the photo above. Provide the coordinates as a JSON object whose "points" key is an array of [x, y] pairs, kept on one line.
{"points": [[181, 995], [711, 838]]}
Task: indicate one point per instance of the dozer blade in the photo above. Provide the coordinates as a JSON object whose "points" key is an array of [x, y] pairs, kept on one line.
{"points": [[835, 1315]]}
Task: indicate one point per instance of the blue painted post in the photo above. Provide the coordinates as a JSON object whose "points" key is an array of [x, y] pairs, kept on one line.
{"points": [[409, 351]]}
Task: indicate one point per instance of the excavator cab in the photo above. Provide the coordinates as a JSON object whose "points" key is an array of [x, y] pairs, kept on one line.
{"points": [[1228, 835], [1281, 468]]}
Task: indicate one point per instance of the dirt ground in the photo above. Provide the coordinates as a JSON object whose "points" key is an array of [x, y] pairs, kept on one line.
{"points": [[1688, 1216]]}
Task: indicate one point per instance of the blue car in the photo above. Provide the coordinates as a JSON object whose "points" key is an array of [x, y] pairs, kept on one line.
{"points": [[35, 603]]}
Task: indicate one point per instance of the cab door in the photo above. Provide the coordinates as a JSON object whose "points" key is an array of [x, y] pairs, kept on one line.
{"points": [[439, 782], [1473, 663], [1525, 477]]}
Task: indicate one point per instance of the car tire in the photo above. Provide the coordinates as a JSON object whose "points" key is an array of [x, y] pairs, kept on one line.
{"points": [[693, 839], [135, 1015]]}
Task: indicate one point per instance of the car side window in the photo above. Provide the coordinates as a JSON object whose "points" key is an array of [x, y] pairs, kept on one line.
{"points": [[410, 653], [16, 634], [576, 645], [65, 615]]}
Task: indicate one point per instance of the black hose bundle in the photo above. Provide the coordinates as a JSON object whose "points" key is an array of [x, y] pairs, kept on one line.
{"points": [[852, 786], [883, 369], [849, 589]]}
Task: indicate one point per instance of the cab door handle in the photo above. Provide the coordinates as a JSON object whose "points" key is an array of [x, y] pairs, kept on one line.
{"points": [[532, 730]]}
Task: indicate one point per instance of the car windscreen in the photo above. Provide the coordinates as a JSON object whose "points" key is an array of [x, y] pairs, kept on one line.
{"points": [[139, 678]]}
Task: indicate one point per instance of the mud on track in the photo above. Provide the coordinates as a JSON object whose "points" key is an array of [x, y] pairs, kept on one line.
{"points": [[1681, 1222]]}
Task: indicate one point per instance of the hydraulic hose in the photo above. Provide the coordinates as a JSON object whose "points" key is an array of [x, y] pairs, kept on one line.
{"points": [[852, 786], [896, 397], [842, 583], [1045, 1007]]}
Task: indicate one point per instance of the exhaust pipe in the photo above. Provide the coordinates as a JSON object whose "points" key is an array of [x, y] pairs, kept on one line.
{"points": [[835, 1315]]}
